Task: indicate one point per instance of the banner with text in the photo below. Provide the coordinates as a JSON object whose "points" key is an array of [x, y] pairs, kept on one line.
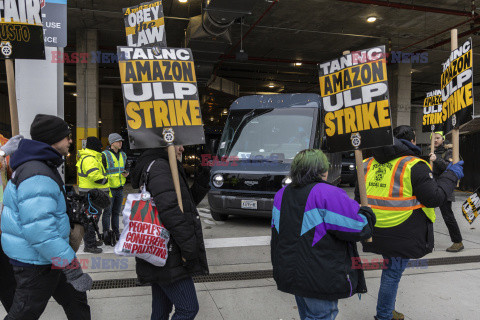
{"points": [[354, 90], [457, 87], [21, 29], [145, 25], [432, 112], [471, 207], [54, 15], [160, 92]]}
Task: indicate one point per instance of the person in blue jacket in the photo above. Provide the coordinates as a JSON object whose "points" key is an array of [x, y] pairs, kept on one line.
{"points": [[36, 228]]}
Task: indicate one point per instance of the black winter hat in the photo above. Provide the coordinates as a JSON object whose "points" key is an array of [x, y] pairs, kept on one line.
{"points": [[49, 129], [94, 144]]}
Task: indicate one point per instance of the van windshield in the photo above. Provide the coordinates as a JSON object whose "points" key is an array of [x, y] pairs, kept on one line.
{"points": [[270, 134]]}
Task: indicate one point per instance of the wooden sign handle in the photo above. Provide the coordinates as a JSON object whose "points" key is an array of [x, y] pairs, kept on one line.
{"points": [[362, 187], [432, 147], [172, 159], [455, 131], [12, 96]]}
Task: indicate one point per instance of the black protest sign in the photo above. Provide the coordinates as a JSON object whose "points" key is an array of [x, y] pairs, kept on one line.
{"points": [[354, 90], [432, 112], [21, 30], [471, 207], [145, 25], [160, 91], [457, 87]]}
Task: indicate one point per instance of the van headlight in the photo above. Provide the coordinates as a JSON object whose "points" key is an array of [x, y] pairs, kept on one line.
{"points": [[351, 167], [286, 181], [217, 180]]}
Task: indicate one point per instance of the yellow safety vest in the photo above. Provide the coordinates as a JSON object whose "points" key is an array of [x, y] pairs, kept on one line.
{"points": [[390, 192], [115, 167], [91, 173]]}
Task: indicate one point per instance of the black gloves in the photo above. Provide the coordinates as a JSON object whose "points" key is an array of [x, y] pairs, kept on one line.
{"points": [[368, 213], [75, 276]]}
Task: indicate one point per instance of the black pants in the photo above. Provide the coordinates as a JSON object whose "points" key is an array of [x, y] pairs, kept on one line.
{"points": [[7, 280], [451, 222], [35, 286], [90, 238]]}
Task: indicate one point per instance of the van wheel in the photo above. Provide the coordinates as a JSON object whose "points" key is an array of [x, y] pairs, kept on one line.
{"points": [[218, 216]]}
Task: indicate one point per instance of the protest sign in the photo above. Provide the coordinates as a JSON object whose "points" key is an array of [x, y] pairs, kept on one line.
{"points": [[54, 15], [160, 92], [354, 90], [471, 206], [432, 112], [457, 87], [145, 25], [21, 30]]}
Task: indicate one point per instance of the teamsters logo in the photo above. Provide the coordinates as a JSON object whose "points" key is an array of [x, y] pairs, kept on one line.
{"points": [[380, 173], [6, 48], [356, 139], [168, 135]]}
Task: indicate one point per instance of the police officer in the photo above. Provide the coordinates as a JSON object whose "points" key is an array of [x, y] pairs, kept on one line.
{"points": [[92, 175], [114, 160], [402, 193]]}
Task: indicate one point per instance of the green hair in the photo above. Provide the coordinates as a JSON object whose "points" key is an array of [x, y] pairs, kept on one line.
{"points": [[307, 167]]}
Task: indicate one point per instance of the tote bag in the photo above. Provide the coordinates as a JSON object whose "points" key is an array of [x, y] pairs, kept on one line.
{"points": [[144, 235]]}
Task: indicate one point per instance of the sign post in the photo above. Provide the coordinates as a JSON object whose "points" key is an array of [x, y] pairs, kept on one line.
{"points": [[22, 38], [456, 131], [167, 82], [12, 96], [432, 116], [354, 91], [457, 90]]}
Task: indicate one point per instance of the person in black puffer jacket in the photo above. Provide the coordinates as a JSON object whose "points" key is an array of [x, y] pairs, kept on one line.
{"points": [[441, 159], [172, 284]]}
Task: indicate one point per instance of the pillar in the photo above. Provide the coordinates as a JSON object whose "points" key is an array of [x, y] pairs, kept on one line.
{"points": [[87, 88], [107, 115], [400, 79]]}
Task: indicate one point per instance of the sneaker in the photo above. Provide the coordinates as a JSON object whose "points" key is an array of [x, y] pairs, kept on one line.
{"points": [[99, 243], [93, 250], [397, 315], [456, 247]]}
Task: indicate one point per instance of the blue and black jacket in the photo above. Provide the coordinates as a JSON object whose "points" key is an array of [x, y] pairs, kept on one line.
{"points": [[35, 224], [314, 230]]}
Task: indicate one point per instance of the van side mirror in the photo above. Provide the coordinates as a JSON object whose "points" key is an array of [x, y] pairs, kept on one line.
{"points": [[213, 146]]}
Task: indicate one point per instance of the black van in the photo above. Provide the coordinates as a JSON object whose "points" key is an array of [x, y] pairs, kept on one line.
{"points": [[262, 135]]}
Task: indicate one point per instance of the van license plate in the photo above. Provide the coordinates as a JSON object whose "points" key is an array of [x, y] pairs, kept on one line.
{"points": [[249, 204]]}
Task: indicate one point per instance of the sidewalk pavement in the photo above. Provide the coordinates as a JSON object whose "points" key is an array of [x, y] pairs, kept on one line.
{"points": [[446, 292]]}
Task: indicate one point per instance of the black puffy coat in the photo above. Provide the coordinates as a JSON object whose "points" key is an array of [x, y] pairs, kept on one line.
{"points": [[313, 249], [444, 155], [186, 238], [414, 237]]}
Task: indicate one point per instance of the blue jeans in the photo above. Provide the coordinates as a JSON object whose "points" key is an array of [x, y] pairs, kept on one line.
{"points": [[180, 294], [316, 309], [388, 286], [113, 211]]}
